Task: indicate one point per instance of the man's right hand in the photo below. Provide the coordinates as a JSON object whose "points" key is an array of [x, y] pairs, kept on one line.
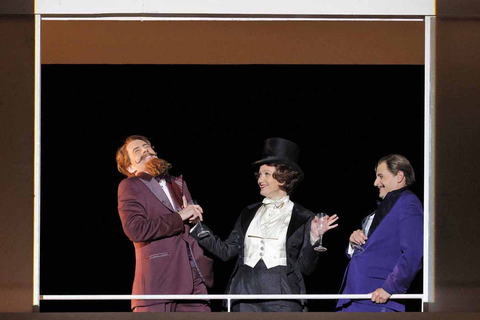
{"points": [[358, 237], [191, 211]]}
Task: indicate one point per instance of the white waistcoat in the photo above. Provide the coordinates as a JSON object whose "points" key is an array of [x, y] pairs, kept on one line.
{"points": [[267, 234]]}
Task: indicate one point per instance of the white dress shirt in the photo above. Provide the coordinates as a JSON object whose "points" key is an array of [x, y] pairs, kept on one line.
{"points": [[163, 184], [267, 234]]}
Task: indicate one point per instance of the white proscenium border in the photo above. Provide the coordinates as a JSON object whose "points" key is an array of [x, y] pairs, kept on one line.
{"points": [[37, 165], [228, 297], [237, 7], [429, 161]]}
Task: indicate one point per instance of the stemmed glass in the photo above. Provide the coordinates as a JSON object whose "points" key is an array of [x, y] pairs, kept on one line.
{"points": [[358, 247], [322, 228], [203, 233]]}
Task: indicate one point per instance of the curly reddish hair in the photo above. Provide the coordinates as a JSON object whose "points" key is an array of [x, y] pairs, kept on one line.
{"points": [[123, 160], [159, 166]]}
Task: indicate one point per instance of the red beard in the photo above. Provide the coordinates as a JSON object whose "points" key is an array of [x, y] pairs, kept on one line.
{"points": [[157, 167]]}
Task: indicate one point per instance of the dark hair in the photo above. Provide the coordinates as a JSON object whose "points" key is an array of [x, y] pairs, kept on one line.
{"points": [[397, 162], [123, 160], [286, 175]]}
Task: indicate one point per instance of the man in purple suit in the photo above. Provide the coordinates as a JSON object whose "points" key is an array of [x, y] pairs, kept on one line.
{"points": [[155, 215], [387, 253]]}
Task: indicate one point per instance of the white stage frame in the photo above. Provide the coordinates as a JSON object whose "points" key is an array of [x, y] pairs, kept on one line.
{"points": [[429, 105], [228, 297], [248, 7]]}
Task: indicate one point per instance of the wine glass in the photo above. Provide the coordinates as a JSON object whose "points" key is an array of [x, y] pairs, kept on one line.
{"points": [[357, 247], [203, 233], [322, 228]]}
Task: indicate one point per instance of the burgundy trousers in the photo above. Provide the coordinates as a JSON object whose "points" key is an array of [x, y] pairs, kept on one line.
{"points": [[182, 305]]}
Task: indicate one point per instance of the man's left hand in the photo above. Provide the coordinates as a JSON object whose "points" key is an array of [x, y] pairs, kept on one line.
{"points": [[380, 296]]}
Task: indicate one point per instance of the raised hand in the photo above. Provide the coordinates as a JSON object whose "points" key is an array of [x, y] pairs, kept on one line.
{"points": [[314, 228]]}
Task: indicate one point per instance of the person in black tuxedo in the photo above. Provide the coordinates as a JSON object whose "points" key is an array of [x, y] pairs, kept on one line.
{"points": [[274, 240]]}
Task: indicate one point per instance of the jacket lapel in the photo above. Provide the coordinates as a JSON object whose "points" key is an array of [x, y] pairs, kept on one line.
{"points": [[299, 218], [155, 188], [247, 218]]}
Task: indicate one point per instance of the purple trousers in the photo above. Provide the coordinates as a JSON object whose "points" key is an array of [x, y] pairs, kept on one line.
{"points": [[359, 307]]}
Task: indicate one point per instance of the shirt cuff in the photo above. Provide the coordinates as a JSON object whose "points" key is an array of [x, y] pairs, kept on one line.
{"points": [[350, 249], [313, 240]]}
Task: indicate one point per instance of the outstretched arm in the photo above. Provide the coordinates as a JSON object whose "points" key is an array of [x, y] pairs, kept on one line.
{"points": [[225, 250]]}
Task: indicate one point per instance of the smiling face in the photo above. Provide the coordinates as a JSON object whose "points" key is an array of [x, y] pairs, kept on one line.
{"points": [[269, 186], [139, 152], [385, 180]]}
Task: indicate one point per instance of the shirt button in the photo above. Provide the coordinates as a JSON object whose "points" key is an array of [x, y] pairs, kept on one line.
{"points": [[262, 248], [261, 254], [262, 241]]}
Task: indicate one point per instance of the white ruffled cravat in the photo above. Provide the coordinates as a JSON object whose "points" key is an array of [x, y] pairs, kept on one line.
{"points": [[278, 204]]}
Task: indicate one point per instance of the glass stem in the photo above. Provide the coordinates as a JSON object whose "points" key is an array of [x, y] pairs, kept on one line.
{"points": [[320, 240]]}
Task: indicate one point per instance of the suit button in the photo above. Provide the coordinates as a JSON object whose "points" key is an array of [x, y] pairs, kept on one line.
{"points": [[294, 245]]}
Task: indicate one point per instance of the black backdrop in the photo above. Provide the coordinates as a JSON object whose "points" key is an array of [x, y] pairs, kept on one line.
{"points": [[210, 123]]}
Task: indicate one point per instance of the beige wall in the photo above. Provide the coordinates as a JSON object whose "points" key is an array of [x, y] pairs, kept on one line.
{"points": [[16, 6], [16, 159], [456, 132], [458, 8], [457, 200], [220, 42]]}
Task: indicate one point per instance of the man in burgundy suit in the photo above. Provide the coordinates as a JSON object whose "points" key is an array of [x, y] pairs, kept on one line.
{"points": [[155, 215]]}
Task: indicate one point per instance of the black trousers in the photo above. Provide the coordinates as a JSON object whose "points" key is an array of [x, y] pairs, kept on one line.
{"points": [[260, 280]]}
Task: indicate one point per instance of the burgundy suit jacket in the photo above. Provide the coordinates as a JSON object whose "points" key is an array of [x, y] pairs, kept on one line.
{"points": [[160, 238]]}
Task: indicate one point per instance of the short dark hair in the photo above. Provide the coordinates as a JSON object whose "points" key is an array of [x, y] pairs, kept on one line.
{"points": [[397, 162], [286, 175]]}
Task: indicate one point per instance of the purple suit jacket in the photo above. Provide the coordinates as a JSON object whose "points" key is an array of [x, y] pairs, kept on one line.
{"points": [[392, 255], [160, 238]]}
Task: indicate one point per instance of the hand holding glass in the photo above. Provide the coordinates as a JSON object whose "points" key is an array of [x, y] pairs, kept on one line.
{"points": [[356, 246], [203, 233], [322, 228]]}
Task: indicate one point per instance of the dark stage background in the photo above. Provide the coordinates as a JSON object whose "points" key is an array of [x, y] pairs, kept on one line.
{"points": [[210, 123]]}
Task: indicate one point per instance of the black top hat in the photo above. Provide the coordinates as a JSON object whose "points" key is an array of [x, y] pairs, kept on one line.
{"points": [[278, 150]]}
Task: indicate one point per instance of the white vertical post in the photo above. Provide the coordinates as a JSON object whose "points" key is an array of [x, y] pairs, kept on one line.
{"points": [[429, 165], [36, 206]]}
